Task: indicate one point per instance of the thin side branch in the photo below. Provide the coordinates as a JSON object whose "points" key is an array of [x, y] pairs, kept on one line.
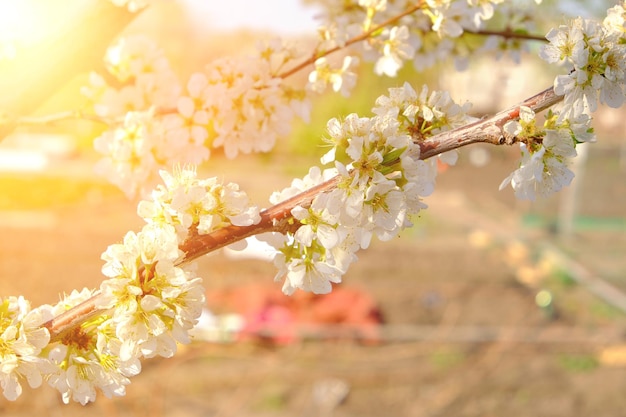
{"points": [[51, 119], [278, 217], [365, 35]]}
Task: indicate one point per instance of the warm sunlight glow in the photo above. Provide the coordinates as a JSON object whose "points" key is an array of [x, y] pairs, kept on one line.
{"points": [[280, 16], [22, 23], [8, 19]]}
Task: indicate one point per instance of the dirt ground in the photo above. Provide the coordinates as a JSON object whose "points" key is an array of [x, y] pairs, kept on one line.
{"points": [[463, 333]]}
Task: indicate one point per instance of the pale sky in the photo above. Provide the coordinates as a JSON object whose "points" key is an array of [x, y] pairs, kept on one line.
{"points": [[282, 16]]}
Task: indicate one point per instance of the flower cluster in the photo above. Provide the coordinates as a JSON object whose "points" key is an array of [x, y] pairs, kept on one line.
{"points": [[131, 152], [382, 182], [155, 302], [134, 148], [546, 152], [595, 56], [83, 360], [432, 30], [21, 341], [148, 303], [242, 105], [143, 75], [197, 205]]}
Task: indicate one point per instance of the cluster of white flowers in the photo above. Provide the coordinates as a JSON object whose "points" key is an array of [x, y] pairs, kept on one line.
{"points": [[131, 152], [242, 105], [594, 54], [546, 152], [431, 33], [148, 303], [155, 303], [143, 77], [82, 360], [134, 148], [21, 341], [197, 205], [382, 182]]}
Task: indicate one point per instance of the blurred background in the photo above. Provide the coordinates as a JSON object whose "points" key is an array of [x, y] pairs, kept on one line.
{"points": [[487, 307]]}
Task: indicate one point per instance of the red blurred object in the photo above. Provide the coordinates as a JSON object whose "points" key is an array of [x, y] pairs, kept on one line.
{"points": [[345, 313], [442, 166]]}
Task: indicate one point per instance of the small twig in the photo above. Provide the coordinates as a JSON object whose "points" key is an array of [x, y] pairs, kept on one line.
{"points": [[365, 35], [51, 119]]}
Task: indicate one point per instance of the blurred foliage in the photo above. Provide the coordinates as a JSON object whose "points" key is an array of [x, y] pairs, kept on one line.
{"points": [[578, 362], [561, 279], [447, 358]]}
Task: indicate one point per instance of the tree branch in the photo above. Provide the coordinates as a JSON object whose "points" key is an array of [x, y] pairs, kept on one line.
{"points": [[51, 119], [487, 130], [278, 217], [363, 36]]}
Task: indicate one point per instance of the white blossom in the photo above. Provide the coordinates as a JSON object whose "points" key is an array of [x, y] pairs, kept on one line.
{"points": [[381, 183], [595, 57], [204, 204], [396, 49], [545, 155], [155, 302], [187, 131], [22, 338], [318, 221], [341, 79]]}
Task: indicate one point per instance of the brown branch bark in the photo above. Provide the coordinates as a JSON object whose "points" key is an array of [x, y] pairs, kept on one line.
{"points": [[487, 130]]}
